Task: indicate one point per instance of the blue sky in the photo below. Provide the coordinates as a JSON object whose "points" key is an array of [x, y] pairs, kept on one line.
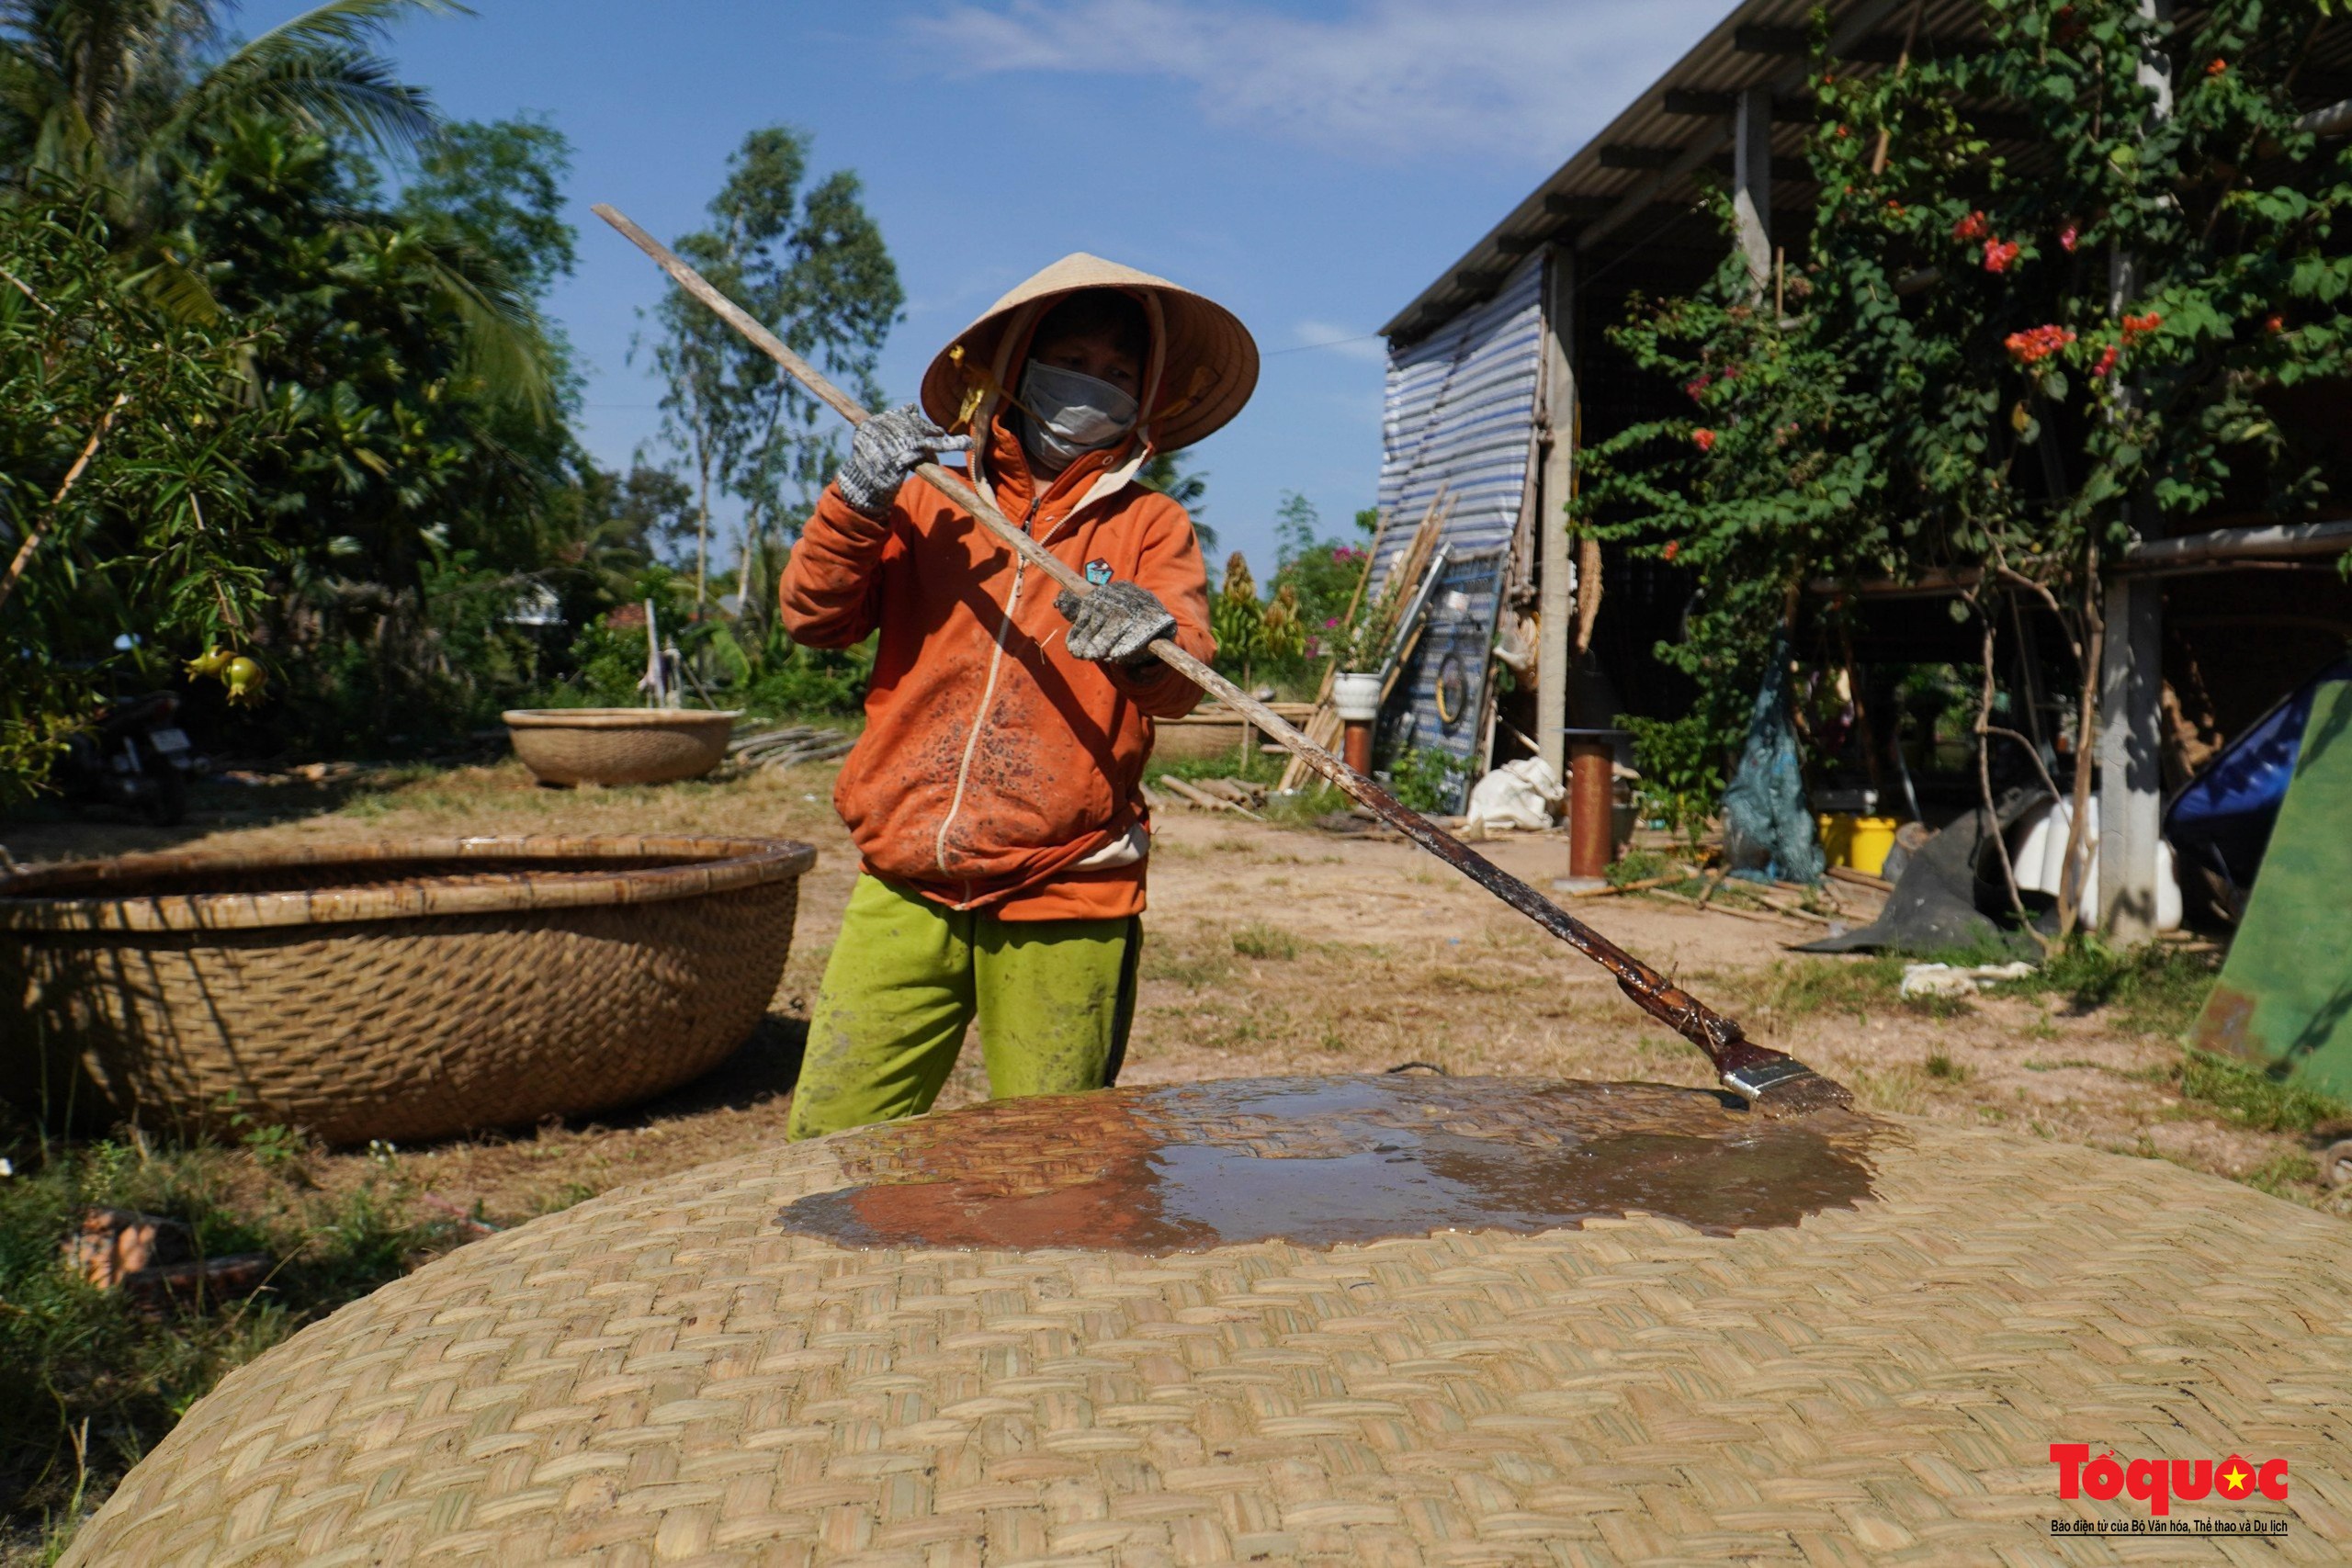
{"points": [[1311, 166]]}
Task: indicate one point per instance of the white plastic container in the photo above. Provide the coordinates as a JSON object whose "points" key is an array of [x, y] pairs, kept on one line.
{"points": [[1356, 697]]}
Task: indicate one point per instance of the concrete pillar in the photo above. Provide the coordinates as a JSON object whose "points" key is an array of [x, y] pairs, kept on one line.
{"points": [[2130, 784], [1555, 607], [2131, 676], [1751, 181]]}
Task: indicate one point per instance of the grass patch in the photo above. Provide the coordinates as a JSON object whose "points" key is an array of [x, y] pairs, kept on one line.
{"points": [[2280, 1176], [1182, 965], [93, 1381], [1792, 989], [1900, 1088], [1256, 768], [1305, 807], [2254, 1099], [1259, 940], [1637, 865], [2153, 989], [1941, 1066], [564, 1197]]}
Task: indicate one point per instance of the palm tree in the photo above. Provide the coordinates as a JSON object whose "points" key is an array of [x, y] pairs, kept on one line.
{"points": [[119, 96], [105, 92]]}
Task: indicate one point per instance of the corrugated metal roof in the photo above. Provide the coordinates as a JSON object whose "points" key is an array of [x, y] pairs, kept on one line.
{"points": [[1683, 120], [1627, 183]]}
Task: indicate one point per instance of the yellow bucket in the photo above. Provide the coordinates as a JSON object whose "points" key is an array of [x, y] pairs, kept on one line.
{"points": [[1860, 842]]}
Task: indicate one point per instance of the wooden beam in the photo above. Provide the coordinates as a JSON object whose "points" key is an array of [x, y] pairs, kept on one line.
{"points": [[2285, 541], [1788, 43], [1624, 156], [2332, 120]]}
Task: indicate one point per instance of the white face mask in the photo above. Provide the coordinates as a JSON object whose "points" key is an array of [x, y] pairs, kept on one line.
{"points": [[1071, 413]]}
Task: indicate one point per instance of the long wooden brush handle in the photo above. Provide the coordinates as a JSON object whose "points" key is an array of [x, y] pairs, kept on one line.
{"points": [[1718, 1036]]}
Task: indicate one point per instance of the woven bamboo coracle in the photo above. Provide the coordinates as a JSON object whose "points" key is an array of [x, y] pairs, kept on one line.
{"points": [[673, 1373], [619, 746], [408, 989]]}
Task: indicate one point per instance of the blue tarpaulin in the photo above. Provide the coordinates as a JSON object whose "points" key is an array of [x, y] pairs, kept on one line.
{"points": [[1768, 825], [2223, 817]]}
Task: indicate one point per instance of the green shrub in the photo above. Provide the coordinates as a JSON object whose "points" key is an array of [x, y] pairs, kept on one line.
{"points": [[1680, 764], [1429, 780]]}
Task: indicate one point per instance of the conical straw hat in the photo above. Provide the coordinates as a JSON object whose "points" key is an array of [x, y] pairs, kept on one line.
{"points": [[1209, 362]]}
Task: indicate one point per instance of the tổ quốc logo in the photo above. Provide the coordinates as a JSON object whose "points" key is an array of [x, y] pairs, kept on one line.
{"points": [[2157, 1483]]}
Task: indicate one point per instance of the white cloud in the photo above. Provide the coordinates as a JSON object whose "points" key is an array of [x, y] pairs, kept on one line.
{"points": [[1346, 342], [1387, 78]]}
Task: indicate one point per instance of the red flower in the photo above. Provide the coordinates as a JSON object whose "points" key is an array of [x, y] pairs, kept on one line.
{"points": [[2066, 239], [1698, 387], [2037, 343], [2275, 324], [1894, 208], [2139, 326], [1999, 253], [2218, 66], [1673, 548], [1704, 439], [2107, 360], [1973, 227]]}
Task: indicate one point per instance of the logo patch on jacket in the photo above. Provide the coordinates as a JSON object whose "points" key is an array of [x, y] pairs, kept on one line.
{"points": [[1098, 572]]}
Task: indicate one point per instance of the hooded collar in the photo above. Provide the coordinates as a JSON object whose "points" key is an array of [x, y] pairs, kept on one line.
{"points": [[1001, 464]]}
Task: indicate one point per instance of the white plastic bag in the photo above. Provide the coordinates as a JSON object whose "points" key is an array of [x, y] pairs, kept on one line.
{"points": [[1517, 794]]}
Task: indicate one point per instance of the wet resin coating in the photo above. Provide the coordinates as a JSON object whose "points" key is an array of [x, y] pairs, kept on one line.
{"points": [[1325, 1161]]}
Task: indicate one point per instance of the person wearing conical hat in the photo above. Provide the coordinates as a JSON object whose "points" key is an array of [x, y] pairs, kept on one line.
{"points": [[995, 796]]}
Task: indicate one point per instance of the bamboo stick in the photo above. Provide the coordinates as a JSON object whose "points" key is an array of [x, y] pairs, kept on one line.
{"points": [[1769, 1080]]}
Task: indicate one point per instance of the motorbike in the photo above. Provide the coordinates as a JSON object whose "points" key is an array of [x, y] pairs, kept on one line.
{"points": [[135, 757]]}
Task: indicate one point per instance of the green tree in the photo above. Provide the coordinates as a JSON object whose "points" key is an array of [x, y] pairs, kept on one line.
{"points": [[110, 94], [808, 260], [1325, 577], [2007, 369], [126, 518], [1168, 473], [497, 189]]}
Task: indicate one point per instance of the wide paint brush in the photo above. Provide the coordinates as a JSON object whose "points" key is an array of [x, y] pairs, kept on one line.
{"points": [[1771, 1081]]}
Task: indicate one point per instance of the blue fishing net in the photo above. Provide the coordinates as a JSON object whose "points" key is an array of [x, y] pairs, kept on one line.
{"points": [[1768, 827]]}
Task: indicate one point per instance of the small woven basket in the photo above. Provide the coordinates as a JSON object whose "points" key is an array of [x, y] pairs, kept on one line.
{"points": [[408, 989], [619, 746]]}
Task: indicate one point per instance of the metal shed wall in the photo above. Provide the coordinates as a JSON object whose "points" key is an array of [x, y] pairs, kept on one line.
{"points": [[1459, 412]]}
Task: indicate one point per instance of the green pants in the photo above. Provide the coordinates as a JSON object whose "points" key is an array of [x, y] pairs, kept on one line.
{"points": [[1054, 997]]}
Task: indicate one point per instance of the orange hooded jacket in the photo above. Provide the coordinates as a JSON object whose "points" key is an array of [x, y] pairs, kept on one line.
{"points": [[996, 771]]}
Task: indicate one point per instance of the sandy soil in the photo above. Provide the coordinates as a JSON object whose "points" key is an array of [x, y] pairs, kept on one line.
{"points": [[1273, 950]]}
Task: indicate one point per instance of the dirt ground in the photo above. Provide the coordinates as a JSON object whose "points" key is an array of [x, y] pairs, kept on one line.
{"points": [[1279, 951]]}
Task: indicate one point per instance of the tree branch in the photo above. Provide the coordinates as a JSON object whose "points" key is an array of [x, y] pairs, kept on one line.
{"points": [[34, 534]]}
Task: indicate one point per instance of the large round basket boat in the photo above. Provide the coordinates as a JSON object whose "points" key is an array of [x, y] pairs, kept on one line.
{"points": [[619, 746], [1329, 1321], [411, 988]]}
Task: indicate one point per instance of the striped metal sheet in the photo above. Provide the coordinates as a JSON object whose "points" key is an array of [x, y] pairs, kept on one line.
{"points": [[1451, 666], [1460, 413]]}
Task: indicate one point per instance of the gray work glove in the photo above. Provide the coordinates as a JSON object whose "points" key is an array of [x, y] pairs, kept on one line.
{"points": [[885, 450], [1116, 622]]}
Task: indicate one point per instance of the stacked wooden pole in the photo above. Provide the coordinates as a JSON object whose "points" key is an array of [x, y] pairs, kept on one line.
{"points": [[1323, 725]]}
